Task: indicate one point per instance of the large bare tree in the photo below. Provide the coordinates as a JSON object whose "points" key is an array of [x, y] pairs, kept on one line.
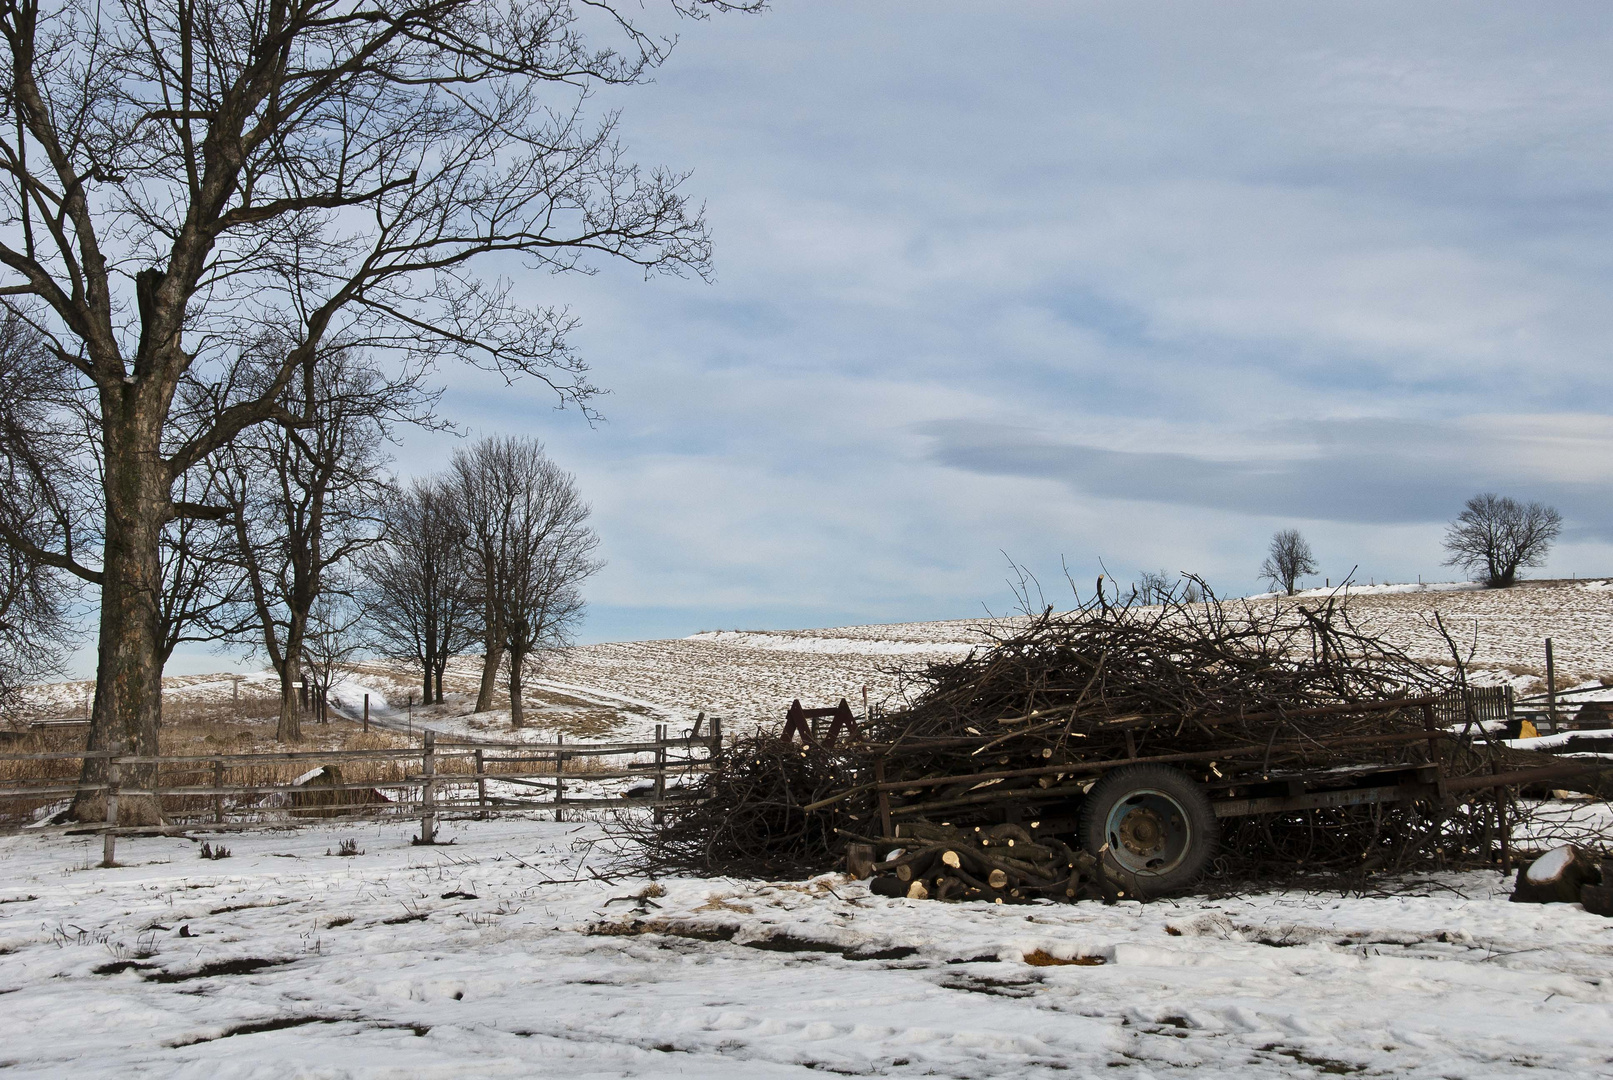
{"points": [[1494, 536], [194, 186]]}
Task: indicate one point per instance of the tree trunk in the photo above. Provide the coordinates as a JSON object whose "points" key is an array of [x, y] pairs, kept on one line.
{"points": [[289, 727], [517, 713], [441, 664], [425, 696], [490, 662], [128, 678]]}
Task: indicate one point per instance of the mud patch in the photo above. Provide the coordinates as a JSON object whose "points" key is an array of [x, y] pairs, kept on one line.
{"points": [[279, 1023], [784, 943], [246, 907], [243, 966], [1327, 1066], [979, 984]]}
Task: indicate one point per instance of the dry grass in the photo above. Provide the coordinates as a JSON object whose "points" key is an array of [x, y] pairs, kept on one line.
{"points": [[207, 728]]}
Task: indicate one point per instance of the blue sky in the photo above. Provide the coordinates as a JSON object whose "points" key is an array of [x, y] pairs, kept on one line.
{"points": [[1139, 283]]}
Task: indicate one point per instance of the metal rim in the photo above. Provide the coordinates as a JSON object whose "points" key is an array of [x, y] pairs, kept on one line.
{"points": [[1148, 832]]}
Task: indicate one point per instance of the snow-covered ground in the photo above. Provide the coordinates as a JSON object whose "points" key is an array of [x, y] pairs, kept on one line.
{"points": [[502, 955]]}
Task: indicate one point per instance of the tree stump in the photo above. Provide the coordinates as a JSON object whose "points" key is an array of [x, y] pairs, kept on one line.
{"points": [[1556, 877]]}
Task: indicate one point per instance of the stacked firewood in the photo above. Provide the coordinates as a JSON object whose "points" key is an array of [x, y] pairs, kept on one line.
{"points": [[1002, 863]]}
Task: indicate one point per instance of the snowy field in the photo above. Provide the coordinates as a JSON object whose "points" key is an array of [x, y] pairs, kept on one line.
{"points": [[621, 690], [502, 955]]}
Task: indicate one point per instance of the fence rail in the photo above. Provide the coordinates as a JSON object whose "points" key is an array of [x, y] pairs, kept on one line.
{"points": [[452, 777]]}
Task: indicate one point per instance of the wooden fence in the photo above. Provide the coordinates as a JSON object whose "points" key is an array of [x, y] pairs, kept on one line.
{"points": [[202, 792], [1475, 704]]}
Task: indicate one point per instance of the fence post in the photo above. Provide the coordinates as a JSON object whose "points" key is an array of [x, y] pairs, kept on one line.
{"points": [[716, 739], [1551, 688], [366, 714], [481, 787], [559, 778], [428, 793], [218, 793], [109, 839], [660, 772], [156, 783]]}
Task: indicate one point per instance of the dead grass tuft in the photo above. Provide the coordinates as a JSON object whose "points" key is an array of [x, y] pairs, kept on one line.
{"points": [[1042, 958]]}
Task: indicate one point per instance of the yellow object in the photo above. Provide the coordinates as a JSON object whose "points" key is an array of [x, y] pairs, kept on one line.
{"points": [[1526, 730]]}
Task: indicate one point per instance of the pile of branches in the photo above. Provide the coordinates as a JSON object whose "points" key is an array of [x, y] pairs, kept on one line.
{"points": [[1019, 729]]}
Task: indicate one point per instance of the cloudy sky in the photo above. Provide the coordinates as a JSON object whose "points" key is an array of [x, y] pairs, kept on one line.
{"points": [[1080, 281]]}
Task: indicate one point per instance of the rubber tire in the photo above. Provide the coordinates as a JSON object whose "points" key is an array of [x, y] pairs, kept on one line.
{"points": [[1204, 831]]}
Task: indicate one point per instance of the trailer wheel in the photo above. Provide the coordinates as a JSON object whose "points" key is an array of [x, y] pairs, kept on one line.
{"points": [[1157, 824]]}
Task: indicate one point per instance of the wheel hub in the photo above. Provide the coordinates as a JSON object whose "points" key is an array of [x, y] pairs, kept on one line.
{"points": [[1148, 832], [1142, 832]]}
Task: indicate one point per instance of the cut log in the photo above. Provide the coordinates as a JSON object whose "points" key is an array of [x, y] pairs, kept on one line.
{"points": [[917, 891], [860, 860], [1598, 899], [997, 879], [1556, 877], [887, 886]]}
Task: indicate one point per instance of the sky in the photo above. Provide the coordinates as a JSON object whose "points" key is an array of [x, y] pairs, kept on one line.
{"points": [[1096, 285]]}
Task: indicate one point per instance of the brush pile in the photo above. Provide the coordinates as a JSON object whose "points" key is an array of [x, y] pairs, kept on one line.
{"points": [[1237, 699]]}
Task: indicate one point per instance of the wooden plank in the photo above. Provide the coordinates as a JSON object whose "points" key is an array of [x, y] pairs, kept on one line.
{"points": [[65, 755], [62, 789]]}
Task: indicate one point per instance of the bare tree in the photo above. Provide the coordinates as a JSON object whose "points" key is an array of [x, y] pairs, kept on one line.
{"points": [[1495, 535], [1153, 587], [35, 626], [417, 590], [305, 498], [190, 187], [203, 586], [39, 495], [1288, 559], [330, 642], [527, 533], [545, 603]]}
